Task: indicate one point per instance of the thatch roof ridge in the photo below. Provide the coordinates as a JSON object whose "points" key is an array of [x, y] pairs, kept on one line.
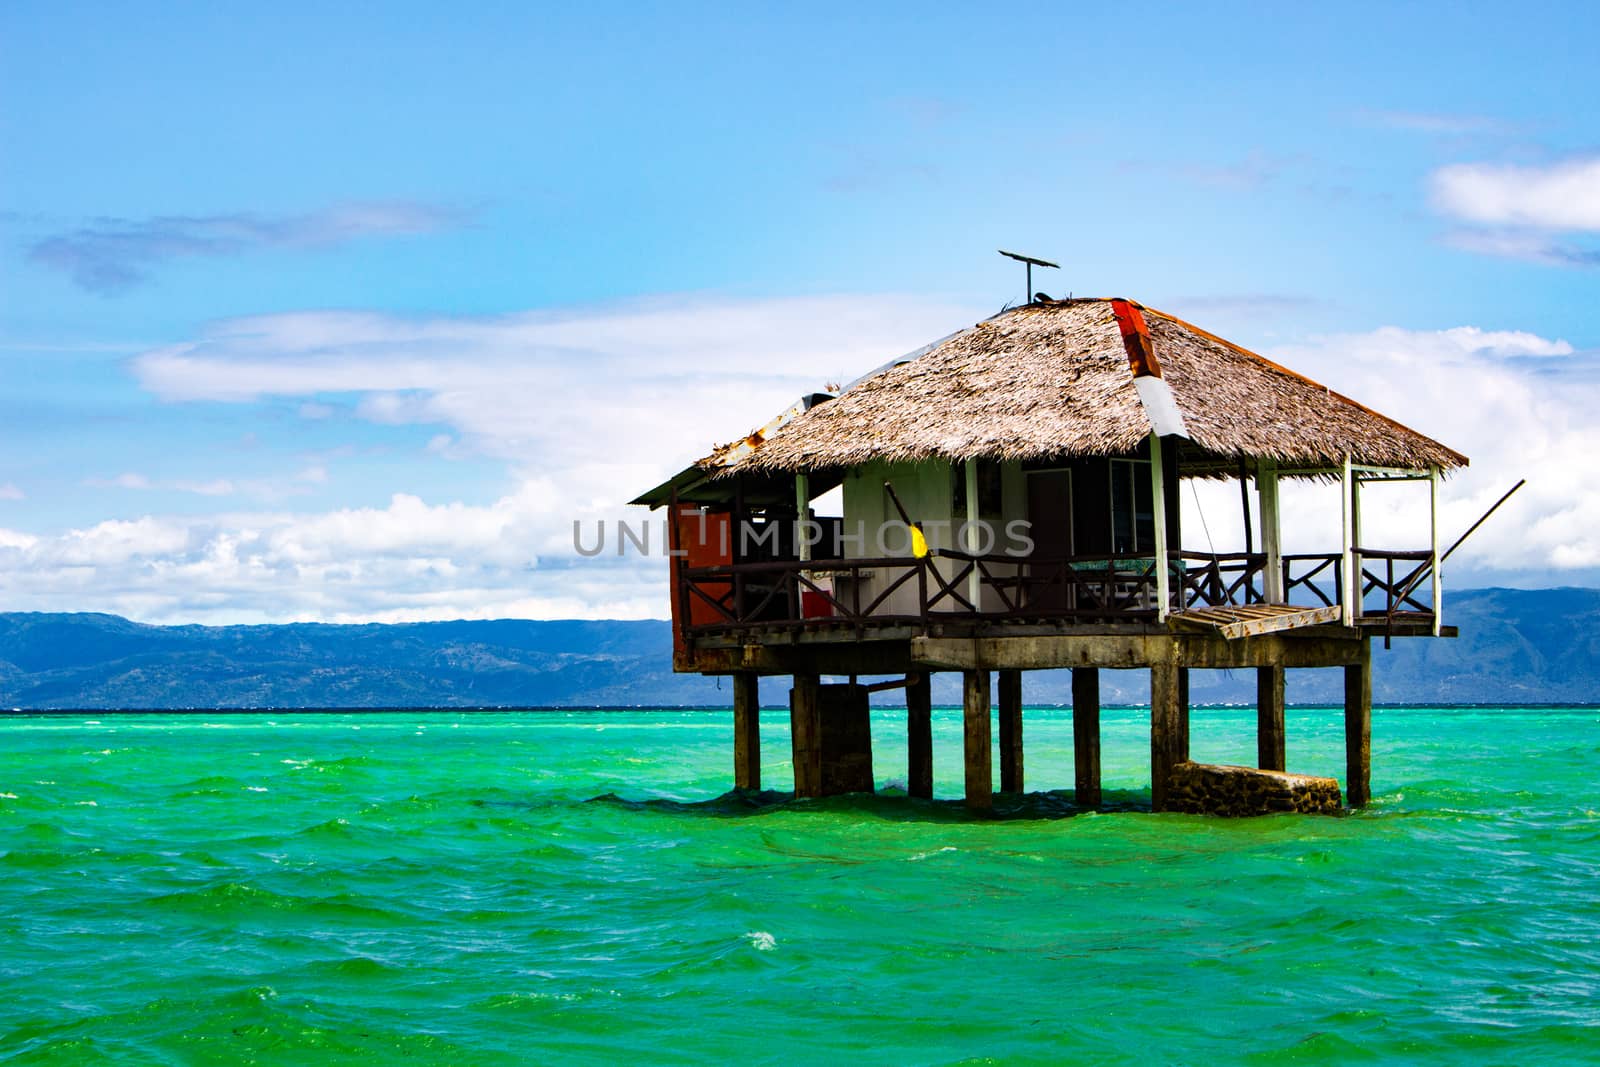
{"points": [[1052, 379]]}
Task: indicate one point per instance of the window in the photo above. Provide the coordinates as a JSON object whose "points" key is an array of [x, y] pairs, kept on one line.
{"points": [[989, 490], [1133, 520]]}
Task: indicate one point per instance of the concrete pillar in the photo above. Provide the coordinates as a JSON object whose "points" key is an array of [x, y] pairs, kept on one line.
{"points": [[1086, 735], [976, 741], [919, 736], [1270, 752], [1011, 732], [1358, 728], [805, 731], [746, 730], [1169, 729]]}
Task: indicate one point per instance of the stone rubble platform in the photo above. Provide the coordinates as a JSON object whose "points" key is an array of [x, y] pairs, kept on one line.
{"points": [[1221, 789]]}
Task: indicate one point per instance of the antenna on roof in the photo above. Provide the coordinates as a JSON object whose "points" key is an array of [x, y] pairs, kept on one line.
{"points": [[1031, 263]]}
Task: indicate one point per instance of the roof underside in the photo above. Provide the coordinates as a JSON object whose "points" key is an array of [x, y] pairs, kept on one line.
{"points": [[1052, 379]]}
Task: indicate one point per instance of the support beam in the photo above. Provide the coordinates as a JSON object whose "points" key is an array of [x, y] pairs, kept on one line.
{"points": [[1358, 729], [1169, 733], [919, 736], [1011, 732], [1272, 584], [746, 730], [1270, 749], [976, 741], [1333, 646], [1158, 500], [1086, 735], [805, 731]]}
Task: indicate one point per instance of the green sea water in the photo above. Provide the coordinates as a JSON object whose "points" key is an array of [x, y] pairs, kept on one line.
{"points": [[538, 887]]}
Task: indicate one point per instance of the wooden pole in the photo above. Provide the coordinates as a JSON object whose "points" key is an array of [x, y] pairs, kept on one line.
{"points": [[802, 515], [1271, 532], [1270, 749], [1183, 714], [1011, 732], [1437, 575], [1167, 740], [1358, 728], [1086, 735], [746, 730], [976, 741], [805, 727], [974, 515], [1349, 602], [919, 736], [1158, 502]]}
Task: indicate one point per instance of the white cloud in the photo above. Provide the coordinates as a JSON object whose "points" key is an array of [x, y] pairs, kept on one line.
{"points": [[1501, 399], [1519, 211], [1560, 196], [9, 491], [588, 408]]}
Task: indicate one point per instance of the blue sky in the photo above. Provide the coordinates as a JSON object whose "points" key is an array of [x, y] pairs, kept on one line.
{"points": [[347, 314]]}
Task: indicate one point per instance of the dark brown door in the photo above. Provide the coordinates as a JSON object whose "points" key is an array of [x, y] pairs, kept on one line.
{"points": [[1050, 527]]}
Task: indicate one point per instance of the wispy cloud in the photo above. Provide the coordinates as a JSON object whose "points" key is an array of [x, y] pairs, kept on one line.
{"points": [[111, 255], [269, 489], [1528, 246], [1254, 170], [1519, 211], [1436, 123], [1560, 196], [9, 491]]}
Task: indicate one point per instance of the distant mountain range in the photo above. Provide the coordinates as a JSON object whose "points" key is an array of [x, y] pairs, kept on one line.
{"points": [[1516, 646]]}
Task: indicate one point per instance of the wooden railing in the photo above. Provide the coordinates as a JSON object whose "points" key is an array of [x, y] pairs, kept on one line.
{"points": [[1210, 579], [1102, 588], [1398, 577]]}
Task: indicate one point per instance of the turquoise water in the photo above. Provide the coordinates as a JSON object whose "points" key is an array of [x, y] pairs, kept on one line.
{"points": [[506, 888]]}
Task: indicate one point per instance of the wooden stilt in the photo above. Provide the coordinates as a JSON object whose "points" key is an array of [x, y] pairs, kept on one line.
{"points": [[1183, 714], [746, 730], [976, 741], [1270, 750], [805, 729], [1168, 738], [1011, 732], [919, 736], [1086, 735], [1358, 728]]}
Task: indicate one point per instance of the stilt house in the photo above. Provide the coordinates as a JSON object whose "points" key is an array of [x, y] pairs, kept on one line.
{"points": [[1010, 503]]}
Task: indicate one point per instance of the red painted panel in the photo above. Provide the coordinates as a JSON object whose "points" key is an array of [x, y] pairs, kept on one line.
{"points": [[1136, 339]]}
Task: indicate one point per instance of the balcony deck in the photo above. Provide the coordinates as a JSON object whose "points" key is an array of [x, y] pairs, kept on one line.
{"points": [[934, 595]]}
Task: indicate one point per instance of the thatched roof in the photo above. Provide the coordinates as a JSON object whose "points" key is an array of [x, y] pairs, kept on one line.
{"points": [[1052, 379]]}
